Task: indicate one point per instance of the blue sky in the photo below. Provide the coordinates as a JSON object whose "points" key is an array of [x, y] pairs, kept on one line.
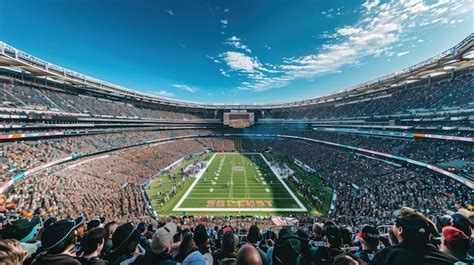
{"points": [[251, 51]]}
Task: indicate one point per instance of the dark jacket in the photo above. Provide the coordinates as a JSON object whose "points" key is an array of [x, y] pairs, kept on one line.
{"points": [[402, 254], [150, 258], [92, 261], [365, 255], [218, 256], [55, 259], [181, 256]]}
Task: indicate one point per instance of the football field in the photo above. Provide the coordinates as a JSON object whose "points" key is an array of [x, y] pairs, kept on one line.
{"points": [[238, 183]]}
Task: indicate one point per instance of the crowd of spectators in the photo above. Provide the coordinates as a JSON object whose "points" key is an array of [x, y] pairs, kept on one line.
{"points": [[411, 238], [19, 156], [27, 97], [110, 181], [424, 150], [367, 188], [422, 96]]}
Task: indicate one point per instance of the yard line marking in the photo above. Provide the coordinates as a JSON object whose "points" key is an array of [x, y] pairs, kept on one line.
{"points": [[284, 184], [198, 177], [246, 190], [247, 193], [231, 191], [242, 209]]}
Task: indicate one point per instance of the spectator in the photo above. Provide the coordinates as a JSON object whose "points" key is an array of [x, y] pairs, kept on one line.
{"points": [[462, 223], [412, 232], [186, 247], [11, 252], [202, 241], [369, 241], [160, 248], [92, 244], [455, 243], [333, 236], [58, 242], [143, 229], [226, 254], [124, 244], [248, 255], [253, 237], [109, 230], [289, 249], [317, 239], [304, 237]]}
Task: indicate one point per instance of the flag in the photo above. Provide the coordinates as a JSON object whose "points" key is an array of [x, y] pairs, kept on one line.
{"points": [[279, 221]]}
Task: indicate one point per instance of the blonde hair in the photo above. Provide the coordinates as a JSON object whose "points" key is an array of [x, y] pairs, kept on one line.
{"points": [[11, 252]]}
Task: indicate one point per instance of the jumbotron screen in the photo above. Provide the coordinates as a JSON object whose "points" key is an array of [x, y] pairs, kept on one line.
{"points": [[239, 119]]}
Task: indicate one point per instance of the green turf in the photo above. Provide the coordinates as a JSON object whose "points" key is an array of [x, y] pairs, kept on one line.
{"points": [[241, 184], [239, 181]]}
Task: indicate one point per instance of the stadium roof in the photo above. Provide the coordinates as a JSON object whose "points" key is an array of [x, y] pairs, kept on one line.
{"points": [[459, 57]]}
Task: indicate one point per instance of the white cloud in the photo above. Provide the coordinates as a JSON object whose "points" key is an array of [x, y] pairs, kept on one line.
{"points": [[241, 62], [170, 12], [347, 31], [224, 21], [236, 43], [226, 10], [163, 93], [187, 88], [238, 61], [403, 53], [380, 28], [370, 4]]}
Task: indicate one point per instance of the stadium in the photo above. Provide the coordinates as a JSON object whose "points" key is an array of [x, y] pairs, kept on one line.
{"points": [[308, 181]]}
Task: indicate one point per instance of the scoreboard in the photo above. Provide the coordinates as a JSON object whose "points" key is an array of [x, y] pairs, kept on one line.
{"points": [[239, 119]]}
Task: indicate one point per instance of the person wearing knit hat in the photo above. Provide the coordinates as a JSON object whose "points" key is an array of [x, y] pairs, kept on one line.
{"points": [[454, 242], [58, 243], [160, 247], [228, 249]]}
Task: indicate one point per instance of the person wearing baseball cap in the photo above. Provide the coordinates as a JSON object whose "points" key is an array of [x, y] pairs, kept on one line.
{"points": [[58, 243], [412, 230], [160, 248], [454, 242], [369, 241]]}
